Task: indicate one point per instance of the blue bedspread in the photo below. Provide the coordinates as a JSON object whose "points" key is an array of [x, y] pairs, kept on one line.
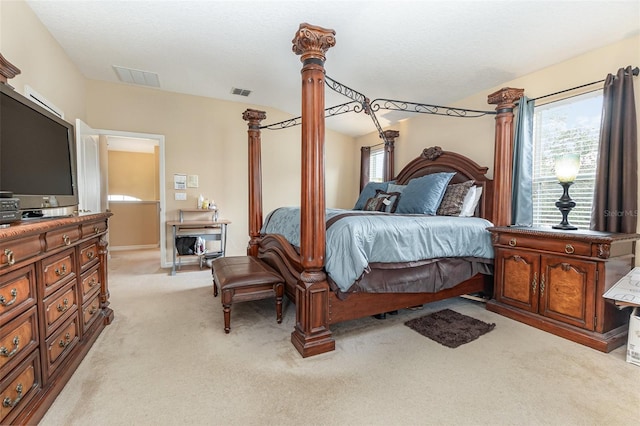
{"points": [[360, 238]]}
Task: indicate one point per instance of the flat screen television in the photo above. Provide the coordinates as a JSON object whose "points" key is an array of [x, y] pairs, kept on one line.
{"points": [[37, 156]]}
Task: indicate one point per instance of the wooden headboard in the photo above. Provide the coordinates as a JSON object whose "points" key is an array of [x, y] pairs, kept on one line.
{"points": [[435, 160]]}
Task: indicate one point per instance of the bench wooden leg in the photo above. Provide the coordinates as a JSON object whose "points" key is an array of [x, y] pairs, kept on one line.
{"points": [[215, 286], [227, 318], [279, 288], [227, 300]]}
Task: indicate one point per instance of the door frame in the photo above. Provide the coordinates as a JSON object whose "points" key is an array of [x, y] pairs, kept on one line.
{"points": [[161, 184]]}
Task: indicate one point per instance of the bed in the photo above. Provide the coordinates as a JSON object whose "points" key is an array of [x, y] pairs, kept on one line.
{"points": [[319, 302]]}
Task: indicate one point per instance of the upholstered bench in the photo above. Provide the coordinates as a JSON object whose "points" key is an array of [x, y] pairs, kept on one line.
{"points": [[244, 278]]}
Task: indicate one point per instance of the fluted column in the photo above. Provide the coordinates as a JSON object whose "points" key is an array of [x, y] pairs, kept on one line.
{"points": [[389, 145], [504, 99], [311, 334], [253, 118]]}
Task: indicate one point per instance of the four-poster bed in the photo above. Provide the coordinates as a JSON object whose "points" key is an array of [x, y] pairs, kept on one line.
{"points": [[307, 284]]}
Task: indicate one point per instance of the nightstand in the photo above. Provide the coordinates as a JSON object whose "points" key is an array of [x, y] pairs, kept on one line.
{"points": [[554, 280]]}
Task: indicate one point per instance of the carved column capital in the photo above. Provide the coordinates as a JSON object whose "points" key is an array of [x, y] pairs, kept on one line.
{"points": [[313, 42], [505, 97], [7, 70], [390, 136], [254, 116]]}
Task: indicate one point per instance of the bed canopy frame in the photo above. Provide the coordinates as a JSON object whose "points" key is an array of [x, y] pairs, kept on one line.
{"points": [[316, 305]]}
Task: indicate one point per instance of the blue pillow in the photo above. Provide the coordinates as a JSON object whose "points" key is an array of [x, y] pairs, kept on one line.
{"points": [[369, 191], [424, 194]]}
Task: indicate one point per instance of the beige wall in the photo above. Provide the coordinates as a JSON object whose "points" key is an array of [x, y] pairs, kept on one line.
{"points": [[208, 138], [133, 174], [45, 67]]}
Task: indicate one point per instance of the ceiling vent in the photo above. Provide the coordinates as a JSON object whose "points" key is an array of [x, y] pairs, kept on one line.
{"points": [[240, 92], [142, 78]]}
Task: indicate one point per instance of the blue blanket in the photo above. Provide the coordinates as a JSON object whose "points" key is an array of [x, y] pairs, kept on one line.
{"points": [[356, 238]]}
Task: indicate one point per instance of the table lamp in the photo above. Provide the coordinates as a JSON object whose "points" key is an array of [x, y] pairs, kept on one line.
{"points": [[567, 167]]}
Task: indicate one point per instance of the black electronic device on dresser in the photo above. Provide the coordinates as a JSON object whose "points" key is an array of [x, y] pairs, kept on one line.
{"points": [[9, 208]]}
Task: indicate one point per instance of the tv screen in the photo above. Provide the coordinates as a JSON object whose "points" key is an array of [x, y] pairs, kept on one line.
{"points": [[37, 154]]}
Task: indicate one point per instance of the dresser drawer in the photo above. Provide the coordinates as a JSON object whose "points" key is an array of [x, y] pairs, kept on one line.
{"points": [[15, 251], [89, 254], [563, 246], [19, 387], [17, 292], [60, 344], [57, 270], [90, 311], [95, 228], [90, 283], [59, 306], [62, 237], [17, 339]]}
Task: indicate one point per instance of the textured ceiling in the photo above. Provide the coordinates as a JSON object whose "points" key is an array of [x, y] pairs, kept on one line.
{"points": [[433, 52]]}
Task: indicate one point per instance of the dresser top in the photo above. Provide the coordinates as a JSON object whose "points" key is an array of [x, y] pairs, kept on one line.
{"points": [[576, 235]]}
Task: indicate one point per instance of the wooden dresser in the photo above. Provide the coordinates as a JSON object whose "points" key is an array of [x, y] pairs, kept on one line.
{"points": [[554, 280], [54, 302]]}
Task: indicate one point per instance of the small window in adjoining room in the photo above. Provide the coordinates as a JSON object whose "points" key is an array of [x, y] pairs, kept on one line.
{"points": [[567, 126], [376, 165]]}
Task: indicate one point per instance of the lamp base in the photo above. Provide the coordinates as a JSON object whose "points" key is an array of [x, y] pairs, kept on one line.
{"points": [[565, 204], [567, 227]]}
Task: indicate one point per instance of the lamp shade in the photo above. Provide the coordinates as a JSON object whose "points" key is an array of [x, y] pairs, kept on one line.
{"points": [[567, 167]]}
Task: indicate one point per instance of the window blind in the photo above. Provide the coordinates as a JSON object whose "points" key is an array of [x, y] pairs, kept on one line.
{"points": [[376, 165], [568, 126]]}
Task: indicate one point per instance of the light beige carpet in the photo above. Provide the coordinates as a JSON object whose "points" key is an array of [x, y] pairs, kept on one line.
{"points": [[166, 361]]}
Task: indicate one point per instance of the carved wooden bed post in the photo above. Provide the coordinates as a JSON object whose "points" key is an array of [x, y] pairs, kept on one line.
{"points": [[503, 155], [390, 136], [253, 117], [311, 335]]}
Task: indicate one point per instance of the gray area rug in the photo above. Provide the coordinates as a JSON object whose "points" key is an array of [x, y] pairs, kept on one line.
{"points": [[449, 328]]}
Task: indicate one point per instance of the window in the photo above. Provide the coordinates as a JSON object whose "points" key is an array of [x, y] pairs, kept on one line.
{"points": [[570, 125], [376, 165], [119, 197]]}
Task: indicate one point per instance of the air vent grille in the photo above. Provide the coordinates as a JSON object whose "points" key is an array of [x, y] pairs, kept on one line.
{"points": [[240, 92], [142, 78]]}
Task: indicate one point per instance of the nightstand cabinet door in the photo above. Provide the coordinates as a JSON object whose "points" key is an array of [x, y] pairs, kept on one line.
{"points": [[517, 278], [567, 290]]}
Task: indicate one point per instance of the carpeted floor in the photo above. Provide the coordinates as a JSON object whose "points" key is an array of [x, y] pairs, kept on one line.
{"points": [[166, 361]]}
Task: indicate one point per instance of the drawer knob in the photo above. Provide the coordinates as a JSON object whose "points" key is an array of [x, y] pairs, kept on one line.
{"points": [[93, 282], [14, 297], [96, 230], [569, 249], [10, 258], [66, 240], [64, 306], [512, 242], [64, 343], [4, 352], [61, 271], [90, 255], [93, 309], [8, 403]]}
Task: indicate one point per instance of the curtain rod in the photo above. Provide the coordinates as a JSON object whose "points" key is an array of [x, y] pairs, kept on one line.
{"points": [[635, 71], [372, 146]]}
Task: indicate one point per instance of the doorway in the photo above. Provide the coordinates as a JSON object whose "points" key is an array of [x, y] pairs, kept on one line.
{"points": [[124, 187]]}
